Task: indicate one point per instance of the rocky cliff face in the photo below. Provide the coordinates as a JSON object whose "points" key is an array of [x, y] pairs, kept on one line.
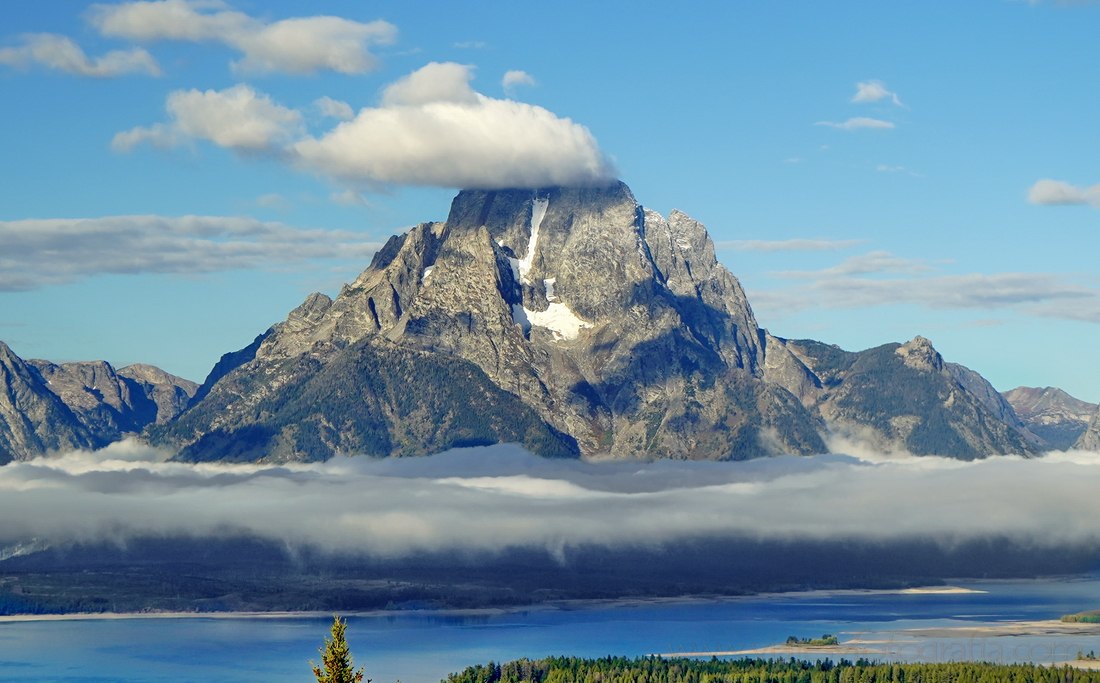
{"points": [[1090, 439], [615, 330], [899, 396], [1052, 414], [33, 420], [48, 407], [112, 403]]}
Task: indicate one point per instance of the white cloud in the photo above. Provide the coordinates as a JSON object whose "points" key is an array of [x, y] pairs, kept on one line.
{"points": [[874, 91], [311, 44], [434, 129], [1055, 192], [297, 45], [433, 82], [493, 499], [41, 252], [787, 245], [514, 78], [334, 109], [858, 123], [431, 129], [62, 54], [237, 118]]}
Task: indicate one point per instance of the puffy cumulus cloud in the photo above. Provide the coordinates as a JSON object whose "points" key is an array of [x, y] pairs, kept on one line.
{"points": [[62, 54], [492, 499], [298, 45], [874, 91], [1058, 192], [41, 252], [434, 129], [858, 123], [514, 78], [237, 118], [432, 83]]}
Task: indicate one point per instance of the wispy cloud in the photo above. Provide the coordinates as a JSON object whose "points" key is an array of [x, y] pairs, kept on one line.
{"points": [[334, 109], [41, 252], [515, 78], [349, 198], [787, 245], [858, 123], [60, 53], [298, 45], [874, 91], [883, 279], [1058, 192]]}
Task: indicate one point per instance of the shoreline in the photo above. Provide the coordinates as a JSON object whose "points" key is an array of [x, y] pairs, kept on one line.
{"points": [[567, 604], [886, 647]]}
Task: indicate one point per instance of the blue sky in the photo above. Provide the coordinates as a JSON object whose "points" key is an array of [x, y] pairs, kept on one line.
{"points": [[178, 176]]}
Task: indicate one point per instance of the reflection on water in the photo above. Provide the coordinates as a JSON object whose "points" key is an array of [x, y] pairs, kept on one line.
{"points": [[425, 646]]}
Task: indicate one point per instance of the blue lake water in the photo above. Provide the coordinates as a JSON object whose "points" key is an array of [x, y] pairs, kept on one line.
{"points": [[416, 647]]}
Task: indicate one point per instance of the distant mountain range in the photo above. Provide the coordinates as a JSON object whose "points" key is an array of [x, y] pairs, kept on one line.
{"points": [[570, 320], [47, 407]]}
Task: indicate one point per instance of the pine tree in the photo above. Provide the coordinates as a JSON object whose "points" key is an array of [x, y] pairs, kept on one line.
{"points": [[336, 661]]}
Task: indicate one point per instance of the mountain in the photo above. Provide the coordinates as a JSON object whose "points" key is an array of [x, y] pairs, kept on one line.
{"points": [[899, 396], [1052, 414], [576, 322], [111, 403], [611, 331], [1090, 439], [33, 420], [48, 407]]}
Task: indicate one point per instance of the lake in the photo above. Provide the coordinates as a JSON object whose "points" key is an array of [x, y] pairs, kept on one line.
{"points": [[416, 647]]}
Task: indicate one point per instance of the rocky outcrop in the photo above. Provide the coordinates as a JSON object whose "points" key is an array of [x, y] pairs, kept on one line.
{"points": [[47, 407], [33, 420], [618, 330], [112, 403], [899, 397], [1090, 439], [1052, 414]]}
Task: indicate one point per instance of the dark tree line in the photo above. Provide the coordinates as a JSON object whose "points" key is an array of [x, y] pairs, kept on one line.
{"points": [[658, 670]]}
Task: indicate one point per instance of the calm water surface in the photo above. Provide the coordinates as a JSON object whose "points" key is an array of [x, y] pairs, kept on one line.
{"points": [[421, 647]]}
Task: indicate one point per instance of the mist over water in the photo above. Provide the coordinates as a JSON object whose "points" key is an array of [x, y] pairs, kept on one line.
{"points": [[498, 498]]}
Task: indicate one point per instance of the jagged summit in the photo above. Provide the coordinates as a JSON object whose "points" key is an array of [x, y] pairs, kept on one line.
{"points": [[577, 322], [616, 327]]}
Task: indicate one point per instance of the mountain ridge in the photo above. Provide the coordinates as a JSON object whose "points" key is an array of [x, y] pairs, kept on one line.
{"points": [[616, 326]]}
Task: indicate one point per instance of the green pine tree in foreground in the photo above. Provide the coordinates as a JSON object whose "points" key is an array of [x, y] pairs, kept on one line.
{"points": [[336, 661]]}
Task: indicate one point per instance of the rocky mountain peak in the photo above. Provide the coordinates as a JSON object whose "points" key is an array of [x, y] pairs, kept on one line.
{"points": [[919, 354], [617, 327], [1052, 414]]}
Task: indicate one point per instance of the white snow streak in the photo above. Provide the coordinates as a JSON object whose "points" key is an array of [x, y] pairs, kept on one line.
{"points": [[538, 212]]}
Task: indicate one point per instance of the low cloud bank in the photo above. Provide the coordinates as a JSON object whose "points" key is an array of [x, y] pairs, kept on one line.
{"points": [[498, 498]]}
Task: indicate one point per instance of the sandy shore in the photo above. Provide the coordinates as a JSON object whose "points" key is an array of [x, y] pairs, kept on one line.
{"points": [[847, 648], [1049, 627], [906, 639]]}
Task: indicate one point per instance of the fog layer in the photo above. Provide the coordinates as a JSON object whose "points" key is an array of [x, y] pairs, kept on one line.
{"points": [[500, 497]]}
